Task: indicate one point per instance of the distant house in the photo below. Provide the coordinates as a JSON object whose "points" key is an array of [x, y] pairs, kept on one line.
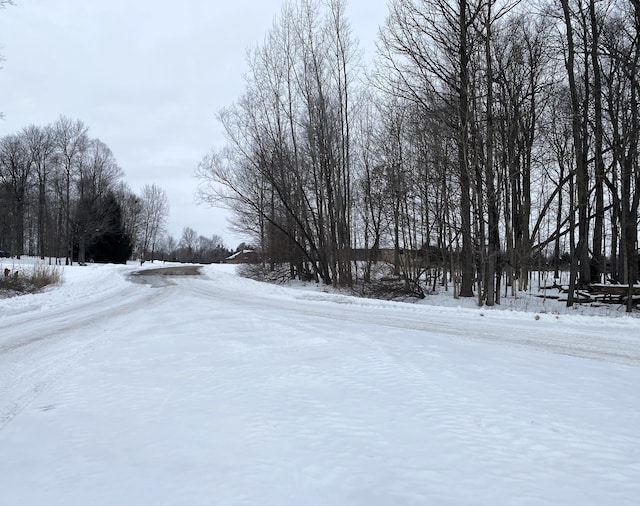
{"points": [[246, 256]]}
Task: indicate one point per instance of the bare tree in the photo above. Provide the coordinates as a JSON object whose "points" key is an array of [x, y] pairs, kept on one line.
{"points": [[167, 248], [131, 209], [71, 142], [189, 244], [287, 170], [580, 258], [153, 216], [211, 249], [369, 188], [429, 43], [40, 143], [621, 79]]}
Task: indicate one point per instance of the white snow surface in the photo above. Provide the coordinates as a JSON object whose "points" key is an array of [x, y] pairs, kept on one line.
{"points": [[218, 390]]}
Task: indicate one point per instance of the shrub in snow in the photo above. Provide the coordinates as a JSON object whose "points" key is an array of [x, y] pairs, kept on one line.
{"points": [[28, 279]]}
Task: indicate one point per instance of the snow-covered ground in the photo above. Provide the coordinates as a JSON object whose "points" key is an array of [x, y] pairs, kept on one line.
{"points": [[217, 390]]}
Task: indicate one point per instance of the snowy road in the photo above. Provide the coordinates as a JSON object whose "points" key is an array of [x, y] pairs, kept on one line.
{"points": [[217, 390], [587, 338]]}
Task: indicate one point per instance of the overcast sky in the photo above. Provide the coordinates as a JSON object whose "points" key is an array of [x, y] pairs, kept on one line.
{"points": [[146, 76]]}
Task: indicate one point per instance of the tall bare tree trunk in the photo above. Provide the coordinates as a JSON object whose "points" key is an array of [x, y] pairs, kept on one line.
{"points": [[466, 287], [493, 280], [597, 261], [582, 177]]}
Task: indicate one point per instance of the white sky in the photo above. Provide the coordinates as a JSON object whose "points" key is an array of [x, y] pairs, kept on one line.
{"points": [[147, 77]]}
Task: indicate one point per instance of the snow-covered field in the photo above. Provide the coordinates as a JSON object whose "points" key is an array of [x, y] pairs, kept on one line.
{"points": [[217, 390]]}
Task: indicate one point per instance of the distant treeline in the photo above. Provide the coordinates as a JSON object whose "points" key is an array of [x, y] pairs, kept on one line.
{"points": [[62, 195]]}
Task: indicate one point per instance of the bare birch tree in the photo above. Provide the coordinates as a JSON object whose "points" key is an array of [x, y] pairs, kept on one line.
{"points": [[153, 216]]}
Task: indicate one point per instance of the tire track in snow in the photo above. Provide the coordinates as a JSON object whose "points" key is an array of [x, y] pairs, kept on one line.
{"points": [[594, 343], [40, 351]]}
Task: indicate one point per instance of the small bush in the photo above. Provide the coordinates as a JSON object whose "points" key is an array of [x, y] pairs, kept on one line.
{"points": [[28, 279], [44, 275], [391, 288], [259, 272]]}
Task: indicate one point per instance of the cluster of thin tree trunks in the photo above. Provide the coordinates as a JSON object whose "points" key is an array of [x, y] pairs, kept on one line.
{"points": [[498, 133]]}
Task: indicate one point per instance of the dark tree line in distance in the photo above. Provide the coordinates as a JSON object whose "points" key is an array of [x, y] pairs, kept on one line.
{"points": [[62, 195]]}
